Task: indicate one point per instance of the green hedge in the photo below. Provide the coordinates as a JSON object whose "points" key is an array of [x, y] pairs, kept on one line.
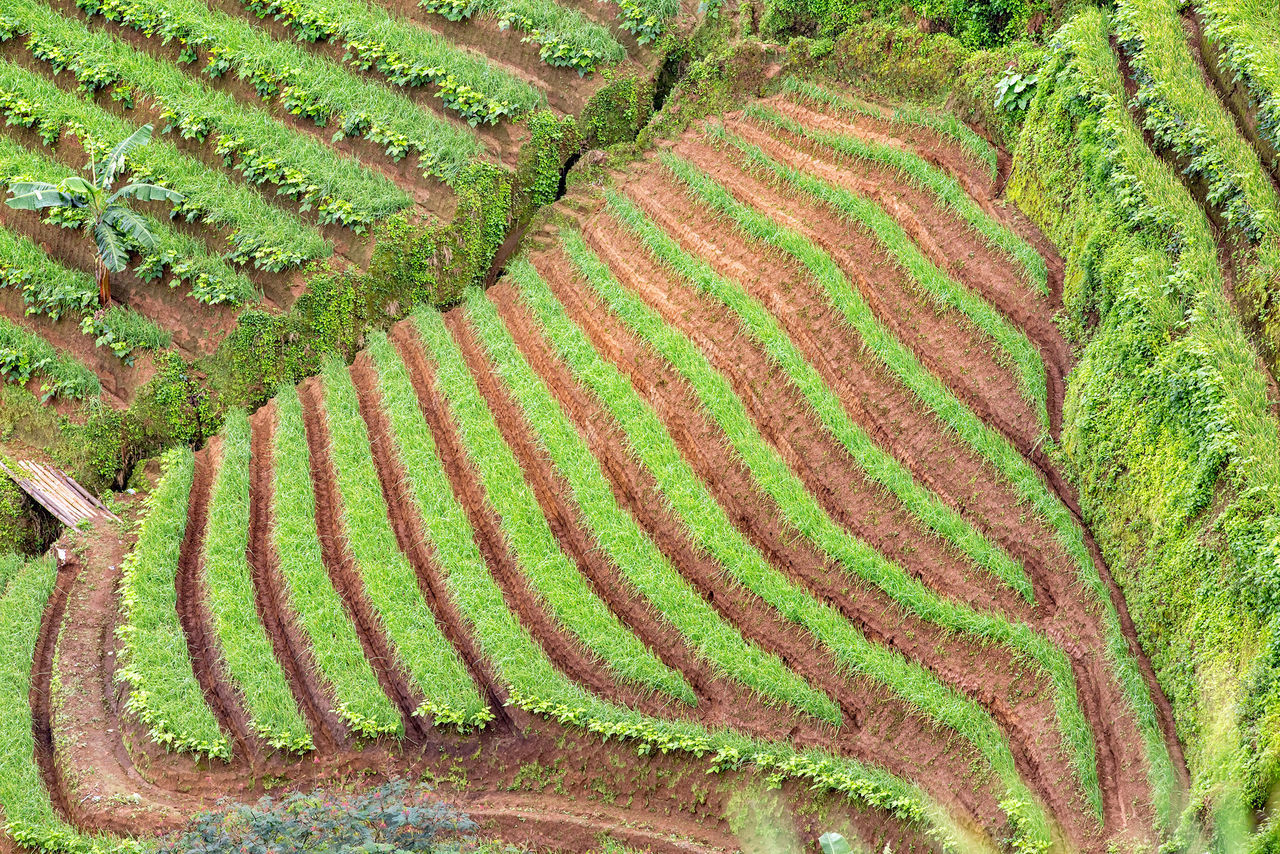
{"points": [[1167, 427]]}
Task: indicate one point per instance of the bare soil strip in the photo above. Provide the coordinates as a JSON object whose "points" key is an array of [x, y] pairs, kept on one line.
{"points": [[411, 538], [193, 613], [573, 532], [338, 560], [877, 725], [561, 647], [41, 692], [277, 615]]}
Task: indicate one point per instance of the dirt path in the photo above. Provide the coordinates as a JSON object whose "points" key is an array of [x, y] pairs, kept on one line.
{"points": [[275, 612], [341, 565]]}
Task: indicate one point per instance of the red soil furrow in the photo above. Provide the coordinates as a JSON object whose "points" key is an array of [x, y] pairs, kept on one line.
{"points": [[335, 551], [785, 419], [272, 599], [933, 454], [410, 537], [193, 613], [574, 533], [561, 647], [944, 238], [875, 716], [40, 693]]}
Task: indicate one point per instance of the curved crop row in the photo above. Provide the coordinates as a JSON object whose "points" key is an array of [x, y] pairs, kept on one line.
{"points": [[566, 37], [942, 288], [25, 355], [270, 238], [262, 149], [250, 661], [536, 686], [164, 692], [997, 450], [340, 659], [304, 85], [451, 696], [711, 528], [210, 279], [409, 56], [629, 547], [560, 585]]}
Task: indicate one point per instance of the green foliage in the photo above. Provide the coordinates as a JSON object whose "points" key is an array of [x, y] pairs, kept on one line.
{"points": [[622, 539], [1015, 91], [1167, 422], [163, 691], [340, 658], [17, 535], [980, 24], [304, 85], [534, 683], [709, 525], [552, 574], [24, 355], [245, 648], [391, 818], [1246, 32], [408, 56], [393, 586]]}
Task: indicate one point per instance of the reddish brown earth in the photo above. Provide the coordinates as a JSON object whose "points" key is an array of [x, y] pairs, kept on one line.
{"points": [[542, 784]]}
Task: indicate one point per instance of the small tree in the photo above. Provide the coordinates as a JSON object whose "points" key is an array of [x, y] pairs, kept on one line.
{"points": [[113, 225]]}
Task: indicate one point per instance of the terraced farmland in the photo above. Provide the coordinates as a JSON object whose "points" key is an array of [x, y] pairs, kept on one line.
{"points": [[295, 132], [742, 464]]}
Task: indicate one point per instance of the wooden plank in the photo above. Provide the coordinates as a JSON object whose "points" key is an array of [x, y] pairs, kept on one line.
{"points": [[67, 500]]}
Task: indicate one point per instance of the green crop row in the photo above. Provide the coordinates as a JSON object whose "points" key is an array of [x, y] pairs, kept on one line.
{"points": [[567, 38], [262, 149], [997, 450], [50, 289], [407, 55], [340, 658], [391, 582], [560, 585], [627, 545], [164, 692], [1183, 114], [907, 114], [250, 660], [646, 19], [30, 818], [924, 175], [24, 355], [709, 526], [534, 683], [1247, 31], [304, 85], [271, 238], [796, 504], [1014, 345], [209, 277]]}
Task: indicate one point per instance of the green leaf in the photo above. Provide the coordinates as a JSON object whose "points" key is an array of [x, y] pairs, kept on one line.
{"points": [[43, 198], [834, 843], [76, 185], [115, 160], [131, 225], [111, 247], [147, 193]]}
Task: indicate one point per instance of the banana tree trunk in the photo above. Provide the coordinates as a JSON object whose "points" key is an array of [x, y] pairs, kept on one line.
{"points": [[104, 284]]}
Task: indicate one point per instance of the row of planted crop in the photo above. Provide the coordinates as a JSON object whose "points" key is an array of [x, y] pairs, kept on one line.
{"points": [[1011, 466], [30, 819], [52, 290], [1247, 32], [322, 91], [268, 237], [24, 356], [261, 148]]}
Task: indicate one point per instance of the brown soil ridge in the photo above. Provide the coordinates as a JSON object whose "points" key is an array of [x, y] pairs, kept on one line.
{"points": [[562, 648], [40, 694], [573, 532], [277, 615], [412, 540], [340, 563], [193, 613], [873, 719]]}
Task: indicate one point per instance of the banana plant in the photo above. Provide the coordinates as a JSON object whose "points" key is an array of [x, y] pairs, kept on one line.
{"points": [[114, 226]]}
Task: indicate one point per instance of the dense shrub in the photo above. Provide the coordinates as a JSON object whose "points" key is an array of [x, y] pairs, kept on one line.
{"points": [[390, 819], [975, 23]]}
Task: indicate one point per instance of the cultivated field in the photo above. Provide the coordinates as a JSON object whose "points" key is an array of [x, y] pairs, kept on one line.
{"points": [[741, 465]]}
